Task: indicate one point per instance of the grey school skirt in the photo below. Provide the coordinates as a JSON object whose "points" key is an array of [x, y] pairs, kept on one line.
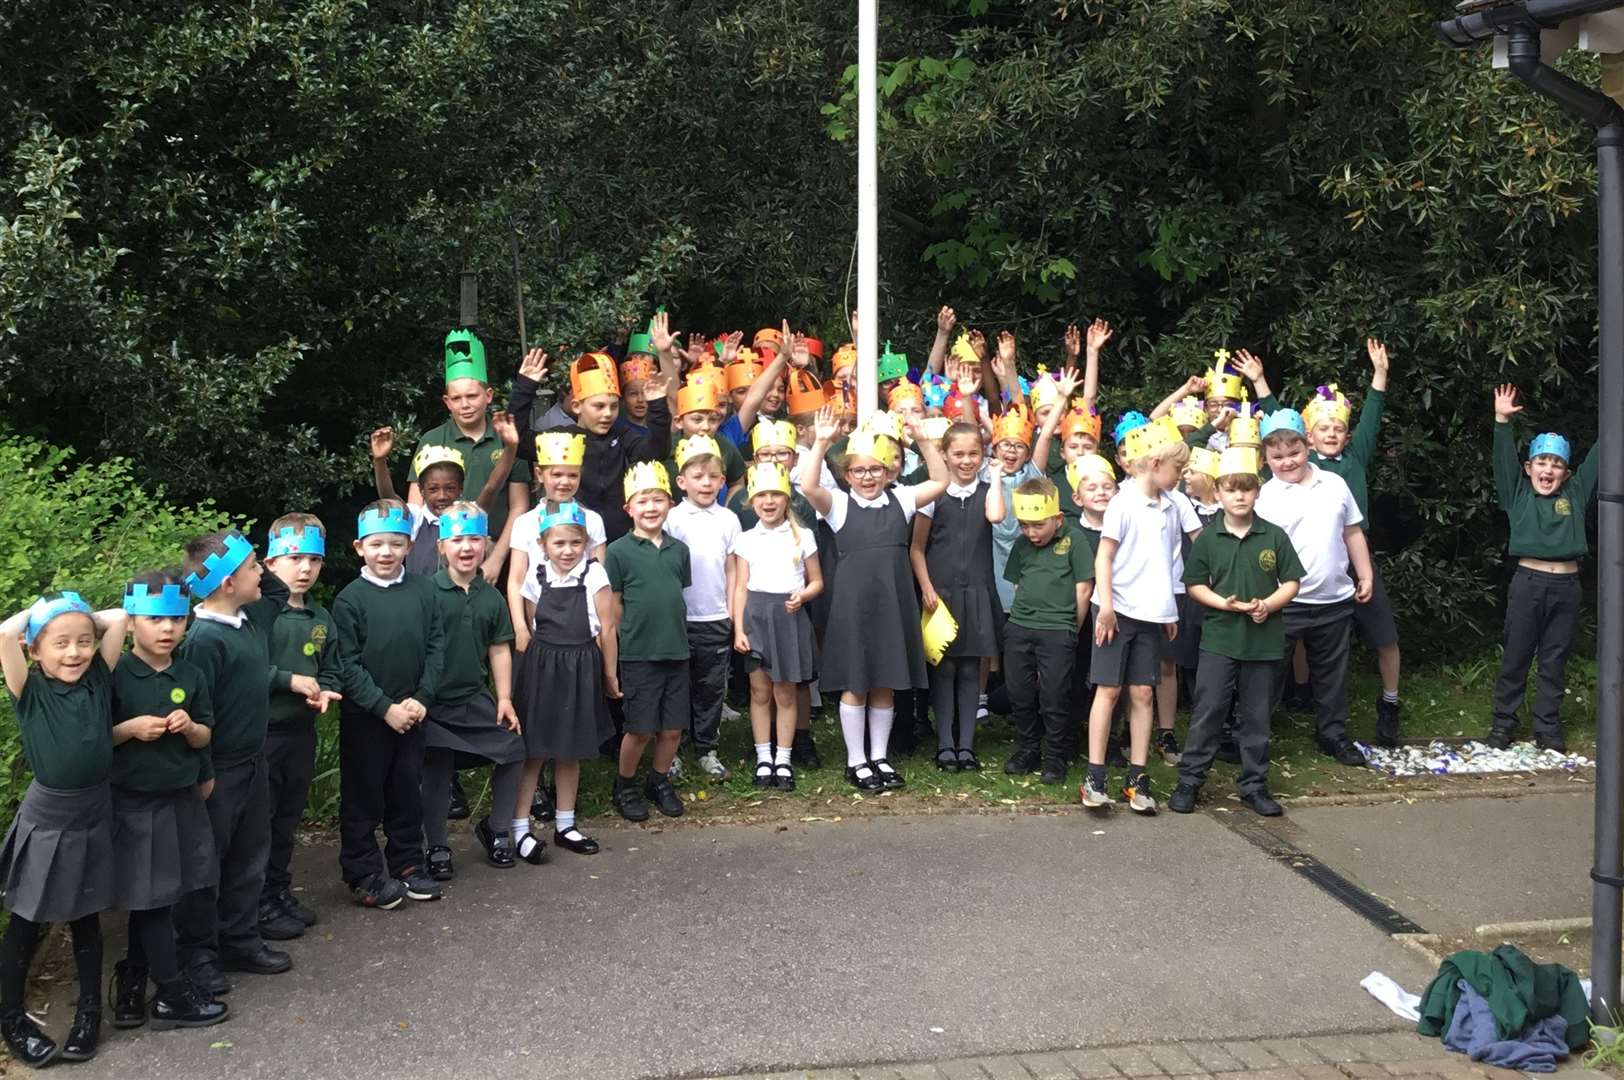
{"points": [[56, 863], [469, 729], [163, 844], [780, 642]]}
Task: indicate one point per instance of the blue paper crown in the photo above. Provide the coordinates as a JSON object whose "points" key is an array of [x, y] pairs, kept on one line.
{"points": [[45, 610], [376, 521], [1129, 421], [464, 523], [1284, 420], [569, 513], [292, 540], [168, 603], [216, 568], [935, 390], [1550, 444]]}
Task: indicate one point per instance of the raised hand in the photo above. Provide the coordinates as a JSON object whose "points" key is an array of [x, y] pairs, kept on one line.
{"points": [[946, 320], [660, 332], [656, 385], [826, 428], [730, 346], [1099, 332], [1073, 340], [1195, 384], [1250, 367], [1378, 354], [799, 355], [978, 345], [534, 364], [1006, 348], [1067, 382], [383, 442], [1225, 415], [1505, 403]]}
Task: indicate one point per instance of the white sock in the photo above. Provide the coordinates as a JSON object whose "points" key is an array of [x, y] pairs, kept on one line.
{"points": [[982, 700], [851, 726], [563, 820], [879, 731], [1390, 696], [782, 757], [521, 828], [764, 753]]}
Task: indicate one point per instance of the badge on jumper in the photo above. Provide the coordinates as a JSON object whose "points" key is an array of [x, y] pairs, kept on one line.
{"points": [[318, 635], [1062, 546], [1563, 508], [1265, 559], [177, 695], [310, 648], [496, 455]]}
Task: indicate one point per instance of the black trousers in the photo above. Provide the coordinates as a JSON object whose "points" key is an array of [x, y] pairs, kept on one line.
{"points": [[380, 783], [710, 651], [1542, 613], [1221, 681], [290, 758], [1326, 631], [224, 920], [1038, 672]]}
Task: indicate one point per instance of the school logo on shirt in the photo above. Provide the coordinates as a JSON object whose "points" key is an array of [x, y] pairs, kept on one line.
{"points": [[1265, 559], [318, 638], [177, 695], [1563, 508], [1062, 546], [496, 455]]}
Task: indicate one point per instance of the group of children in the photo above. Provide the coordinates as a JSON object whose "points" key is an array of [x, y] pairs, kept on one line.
{"points": [[970, 532]]}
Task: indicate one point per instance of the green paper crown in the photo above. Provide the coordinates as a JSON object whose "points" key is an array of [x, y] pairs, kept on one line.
{"points": [[464, 356], [640, 343], [892, 365]]}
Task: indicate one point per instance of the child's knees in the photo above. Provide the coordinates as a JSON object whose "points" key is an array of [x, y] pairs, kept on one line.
{"points": [[1142, 695]]}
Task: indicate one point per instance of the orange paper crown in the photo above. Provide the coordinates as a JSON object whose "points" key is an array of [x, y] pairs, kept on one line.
{"points": [[707, 372], [698, 396], [905, 391], [806, 394], [635, 369], [1078, 422], [593, 374], [743, 371], [845, 357], [1014, 424], [769, 336]]}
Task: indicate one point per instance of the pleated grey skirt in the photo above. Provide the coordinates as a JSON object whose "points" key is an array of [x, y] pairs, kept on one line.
{"points": [[469, 729], [163, 847], [780, 642], [56, 862]]}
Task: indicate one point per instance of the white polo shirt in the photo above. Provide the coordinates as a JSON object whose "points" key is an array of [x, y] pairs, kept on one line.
{"points": [[1314, 514], [1147, 531], [1189, 522], [710, 533], [776, 559]]}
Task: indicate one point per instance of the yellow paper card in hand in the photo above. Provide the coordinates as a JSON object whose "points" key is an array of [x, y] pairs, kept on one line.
{"points": [[938, 628]]}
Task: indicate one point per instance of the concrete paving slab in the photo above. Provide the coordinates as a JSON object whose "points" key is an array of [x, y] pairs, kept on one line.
{"points": [[738, 949]]}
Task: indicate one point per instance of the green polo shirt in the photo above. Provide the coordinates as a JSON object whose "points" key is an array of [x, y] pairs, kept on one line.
{"points": [[1249, 567], [1046, 579], [479, 457], [1068, 499], [1550, 527], [166, 763], [1353, 463], [67, 728], [650, 580], [474, 618], [733, 466]]}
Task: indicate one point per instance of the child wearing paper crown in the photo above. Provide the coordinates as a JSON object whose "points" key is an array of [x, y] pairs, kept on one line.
{"points": [[230, 642], [391, 651], [468, 724], [304, 652], [648, 570], [564, 673], [765, 392], [876, 648], [559, 454], [440, 471], [1092, 483], [1243, 571], [698, 413], [1545, 501], [163, 843], [65, 722], [634, 372], [595, 403], [774, 572], [1052, 566], [1317, 511], [709, 529], [951, 554]]}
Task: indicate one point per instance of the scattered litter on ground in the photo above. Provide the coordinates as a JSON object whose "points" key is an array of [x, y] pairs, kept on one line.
{"points": [[1443, 759]]}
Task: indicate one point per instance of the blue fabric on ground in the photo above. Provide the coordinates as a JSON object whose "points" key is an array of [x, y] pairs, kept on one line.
{"points": [[1472, 1032]]}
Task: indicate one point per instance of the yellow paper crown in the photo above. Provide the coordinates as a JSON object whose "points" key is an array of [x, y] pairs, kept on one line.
{"points": [[1189, 413], [767, 476], [1204, 461], [964, 352], [646, 476], [1151, 438], [1328, 403], [1245, 430], [1238, 459], [1016, 424], [698, 396], [938, 629], [696, 446], [772, 433], [1035, 507], [866, 444], [592, 375], [884, 423], [1044, 392], [1088, 465], [437, 455], [560, 448], [1221, 382]]}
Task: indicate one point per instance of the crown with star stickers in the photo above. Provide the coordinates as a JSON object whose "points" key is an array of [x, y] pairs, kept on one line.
{"points": [[695, 446], [1015, 424], [1151, 437], [1037, 506], [1224, 381], [867, 444], [844, 359], [635, 368], [701, 396], [592, 375], [1088, 465], [168, 602], [569, 513], [963, 351], [221, 565], [767, 476], [1204, 461], [1328, 403], [646, 476], [464, 356], [430, 456], [1189, 413], [883, 423], [462, 520], [1044, 392], [560, 448], [904, 392], [47, 608], [744, 370], [297, 540], [1080, 421]]}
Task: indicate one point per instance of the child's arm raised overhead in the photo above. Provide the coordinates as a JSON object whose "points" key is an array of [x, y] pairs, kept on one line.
{"points": [[1362, 443], [12, 657], [112, 624], [1003, 368], [824, 431], [946, 319], [932, 489], [750, 407], [383, 444], [1099, 333], [1066, 383], [532, 369], [1508, 475], [916, 556], [508, 430], [1251, 369], [656, 444], [1195, 384]]}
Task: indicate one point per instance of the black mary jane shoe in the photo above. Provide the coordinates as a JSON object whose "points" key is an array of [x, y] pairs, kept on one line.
{"points": [[968, 762], [583, 845], [784, 777], [440, 868], [500, 853], [864, 777], [458, 809], [542, 807], [26, 1042], [764, 774], [80, 1045], [128, 993], [948, 760], [889, 776], [532, 849]]}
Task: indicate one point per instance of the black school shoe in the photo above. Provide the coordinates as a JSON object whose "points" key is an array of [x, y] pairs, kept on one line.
{"points": [[1184, 798], [1167, 745], [378, 891], [947, 760], [1054, 772], [498, 849], [264, 961], [531, 848], [419, 886], [1023, 761], [803, 752], [660, 790], [541, 804], [1551, 742], [784, 777], [890, 778], [581, 844], [80, 1045], [628, 800], [209, 979], [27, 1043], [440, 868], [1500, 738], [180, 1005], [763, 775], [290, 904], [864, 777], [1262, 803], [459, 809], [128, 991], [1345, 753], [275, 924], [1386, 722]]}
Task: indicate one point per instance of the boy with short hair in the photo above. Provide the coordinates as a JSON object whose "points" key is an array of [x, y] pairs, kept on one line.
{"points": [[1546, 504], [648, 569], [709, 530], [698, 413], [1317, 511], [229, 642], [391, 648], [1243, 571], [1052, 566], [305, 682]]}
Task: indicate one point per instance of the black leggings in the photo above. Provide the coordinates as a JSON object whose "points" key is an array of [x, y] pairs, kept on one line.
{"points": [[17, 954], [152, 943]]}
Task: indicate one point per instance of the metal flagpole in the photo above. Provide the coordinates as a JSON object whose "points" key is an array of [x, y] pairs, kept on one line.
{"points": [[868, 208]]}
